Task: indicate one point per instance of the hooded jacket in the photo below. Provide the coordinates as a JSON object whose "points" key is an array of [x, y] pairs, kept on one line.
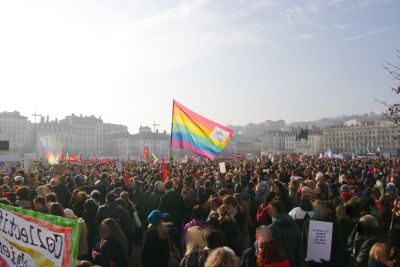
{"points": [[288, 233]]}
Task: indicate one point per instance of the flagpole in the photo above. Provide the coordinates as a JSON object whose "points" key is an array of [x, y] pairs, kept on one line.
{"points": [[170, 139]]}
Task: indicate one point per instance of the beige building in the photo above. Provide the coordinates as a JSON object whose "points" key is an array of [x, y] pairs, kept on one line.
{"points": [[278, 141], [363, 138], [14, 128]]}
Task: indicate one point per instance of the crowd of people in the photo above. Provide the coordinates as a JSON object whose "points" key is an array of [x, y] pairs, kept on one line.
{"points": [[257, 214]]}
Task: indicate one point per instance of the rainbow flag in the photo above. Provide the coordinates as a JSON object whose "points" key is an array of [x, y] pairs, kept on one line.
{"points": [[192, 132]]}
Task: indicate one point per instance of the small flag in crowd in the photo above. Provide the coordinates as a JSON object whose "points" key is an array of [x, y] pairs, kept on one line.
{"points": [[126, 178], [164, 173], [62, 157], [192, 132], [146, 153], [154, 158], [72, 158]]}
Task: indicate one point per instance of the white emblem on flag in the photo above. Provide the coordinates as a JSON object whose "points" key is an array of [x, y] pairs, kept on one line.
{"points": [[219, 135]]}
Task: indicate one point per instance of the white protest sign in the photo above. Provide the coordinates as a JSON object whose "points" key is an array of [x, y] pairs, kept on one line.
{"points": [[222, 168], [319, 241]]}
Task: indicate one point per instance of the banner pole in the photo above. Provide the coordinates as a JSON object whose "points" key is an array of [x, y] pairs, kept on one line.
{"points": [[170, 140]]}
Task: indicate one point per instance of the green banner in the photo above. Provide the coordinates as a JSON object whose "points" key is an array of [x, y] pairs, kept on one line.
{"points": [[29, 238]]}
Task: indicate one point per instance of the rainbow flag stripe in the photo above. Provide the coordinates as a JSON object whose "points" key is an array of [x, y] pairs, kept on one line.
{"points": [[192, 132]]}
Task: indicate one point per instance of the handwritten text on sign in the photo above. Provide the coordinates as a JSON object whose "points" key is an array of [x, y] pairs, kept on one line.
{"points": [[319, 241]]}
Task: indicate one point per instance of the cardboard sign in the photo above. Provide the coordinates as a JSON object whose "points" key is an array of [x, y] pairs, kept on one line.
{"points": [[319, 241], [222, 167], [31, 238]]}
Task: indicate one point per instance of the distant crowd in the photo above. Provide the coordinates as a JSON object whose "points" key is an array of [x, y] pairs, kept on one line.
{"points": [[256, 214]]}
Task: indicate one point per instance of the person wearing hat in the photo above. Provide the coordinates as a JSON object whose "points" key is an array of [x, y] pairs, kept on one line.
{"points": [[156, 243]]}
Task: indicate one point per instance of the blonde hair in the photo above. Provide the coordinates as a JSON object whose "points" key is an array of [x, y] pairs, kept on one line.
{"points": [[224, 214], [161, 228], [221, 257], [196, 239], [380, 252]]}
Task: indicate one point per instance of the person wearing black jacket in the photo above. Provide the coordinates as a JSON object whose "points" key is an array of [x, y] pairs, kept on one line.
{"points": [[112, 250], [89, 215], [156, 242], [172, 203], [364, 236], [203, 194], [288, 233], [114, 211], [153, 199], [101, 186]]}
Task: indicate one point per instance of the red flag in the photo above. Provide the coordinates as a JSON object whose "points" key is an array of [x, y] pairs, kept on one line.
{"points": [[62, 157], [72, 158], [146, 153], [164, 173], [126, 178]]}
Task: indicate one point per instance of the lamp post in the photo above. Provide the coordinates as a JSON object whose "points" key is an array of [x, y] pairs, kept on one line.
{"points": [[34, 134], [154, 136]]}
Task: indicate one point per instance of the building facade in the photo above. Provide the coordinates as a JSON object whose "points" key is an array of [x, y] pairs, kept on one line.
{"points": [[370, 137], [89, 133], [15, 128], [280, 141]]}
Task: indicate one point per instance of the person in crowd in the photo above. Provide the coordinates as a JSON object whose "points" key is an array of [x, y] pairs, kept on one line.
{"points": [[249, 256], [364, 236], [303, 212], [112, 249], [153, 199], [83, 244], [77, 207], [212, 218], [379, 256], [172, 203], [56, 209], [39, 205], [288, 233], [157, 243], [195, 245], [189, 199], [90, 209], [24, 197], [215, 239], [227, 224], [112, 210], [323, 214], [359, 197], [222, 257], [271, 254], [198, 215]]}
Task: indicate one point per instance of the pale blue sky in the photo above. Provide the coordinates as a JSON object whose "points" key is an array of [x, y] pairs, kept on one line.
{"points": [[233, 61]]}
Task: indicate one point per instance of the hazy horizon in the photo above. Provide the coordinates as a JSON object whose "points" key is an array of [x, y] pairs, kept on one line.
{"points": [[233, 62]]}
